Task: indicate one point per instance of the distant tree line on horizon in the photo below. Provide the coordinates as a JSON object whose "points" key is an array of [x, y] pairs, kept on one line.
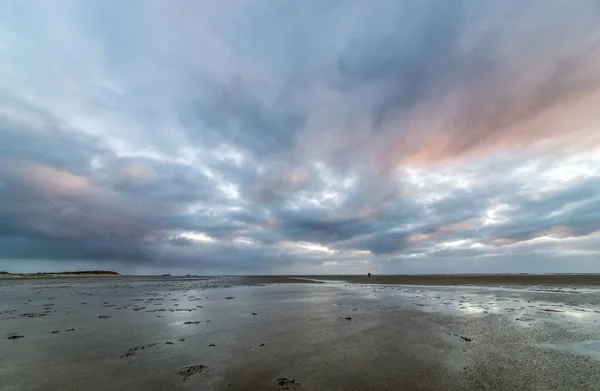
{"points": [[63, 273]]}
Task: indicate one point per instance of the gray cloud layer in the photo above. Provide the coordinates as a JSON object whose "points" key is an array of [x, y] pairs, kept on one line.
{"points": [[305, 137]]}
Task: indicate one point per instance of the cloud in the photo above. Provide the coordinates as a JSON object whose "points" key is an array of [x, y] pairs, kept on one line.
{"points": [[310, 137], [488, 88]]}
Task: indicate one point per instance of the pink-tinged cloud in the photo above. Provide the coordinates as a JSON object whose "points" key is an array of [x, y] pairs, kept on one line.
{"points": [[501, 241], [46, 179]]}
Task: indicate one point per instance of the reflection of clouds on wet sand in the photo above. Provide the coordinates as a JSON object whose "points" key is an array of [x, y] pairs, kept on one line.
{"points": [[585, 348], [532, 304], [472, 308], [539, 310]]}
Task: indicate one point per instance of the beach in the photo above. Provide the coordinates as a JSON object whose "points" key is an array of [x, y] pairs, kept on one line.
{"points": [[300, 333]]}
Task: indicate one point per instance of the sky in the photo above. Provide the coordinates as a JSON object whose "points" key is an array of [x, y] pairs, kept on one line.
{"points": [[300, 137]]}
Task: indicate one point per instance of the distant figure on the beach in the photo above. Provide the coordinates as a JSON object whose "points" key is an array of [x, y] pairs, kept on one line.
{"points": [[368, 274]]}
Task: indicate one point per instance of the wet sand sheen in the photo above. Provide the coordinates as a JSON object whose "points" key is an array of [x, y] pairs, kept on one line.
{"points": [[471, 279], [237, 334]]}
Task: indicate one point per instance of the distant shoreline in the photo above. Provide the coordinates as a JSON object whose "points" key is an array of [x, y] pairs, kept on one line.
{"points": [[83, 273], [492, 279]]}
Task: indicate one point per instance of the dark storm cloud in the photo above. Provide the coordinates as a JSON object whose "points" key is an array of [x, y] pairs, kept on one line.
{"points": [[315, 226], [411, 63], [308, 136], [49, 203], [97, 249], [234, 114], [42, 138], [163, 183]]}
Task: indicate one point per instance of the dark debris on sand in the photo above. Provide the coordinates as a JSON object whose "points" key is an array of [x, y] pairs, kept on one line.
{"points": [[466, 339], [287, 384], [191, 370], [34, 314], [133, 350]]}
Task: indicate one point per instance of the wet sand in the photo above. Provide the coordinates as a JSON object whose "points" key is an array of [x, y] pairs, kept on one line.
{"points": [[285, 333], [472, 279]]}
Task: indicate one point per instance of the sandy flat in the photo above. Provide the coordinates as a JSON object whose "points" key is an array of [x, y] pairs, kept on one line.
{"points": [[472, 279], [256, 333]]}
